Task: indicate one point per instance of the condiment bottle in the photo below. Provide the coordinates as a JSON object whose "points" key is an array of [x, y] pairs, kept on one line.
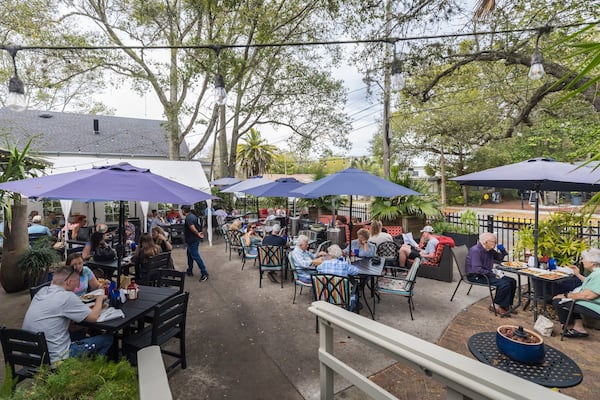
{"points": [[132, 290]]}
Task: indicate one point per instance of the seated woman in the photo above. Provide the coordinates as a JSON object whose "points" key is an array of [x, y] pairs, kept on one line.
{"points": [[252, 239], [79, 230], [236, 225], [160, 238], [96, 242], [87, 279], [377, 236], [588, 295], [144, 251], [365, 249]]}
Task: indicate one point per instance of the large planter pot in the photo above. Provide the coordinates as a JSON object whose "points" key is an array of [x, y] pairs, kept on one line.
{"points": [[576, 200], [16, 242], [530, 350], [468, 239], [412, 224]]}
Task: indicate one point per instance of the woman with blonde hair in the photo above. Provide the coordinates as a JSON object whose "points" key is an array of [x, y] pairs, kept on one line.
{"points": [[160, 238], [377, 236], [362, 244]]}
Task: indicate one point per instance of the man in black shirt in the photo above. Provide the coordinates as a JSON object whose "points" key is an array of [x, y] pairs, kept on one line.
{"points": [[273, 238], [192, 233]]}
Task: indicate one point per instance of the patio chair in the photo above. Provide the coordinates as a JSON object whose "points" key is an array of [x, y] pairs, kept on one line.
{"points": [[34, 289], [297, 281], [24, 352], [246, 254], [389, 251], [460, 259], [270, 258], [235, 241], [148, 274], [571, 305], [323, 246], [333, 289], [171, 278], [176, 233], [401, 286], [168, 322]]}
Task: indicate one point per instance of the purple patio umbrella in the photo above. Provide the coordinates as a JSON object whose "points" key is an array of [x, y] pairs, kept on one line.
{"points": [[536, 174], [120, 182], [353, 182], [227, 181], [281, 187]]}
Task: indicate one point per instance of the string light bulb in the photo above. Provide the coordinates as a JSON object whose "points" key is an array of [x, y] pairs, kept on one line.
{"points": [[536, 71], [398, 81], [219, 91], [16, 89]]}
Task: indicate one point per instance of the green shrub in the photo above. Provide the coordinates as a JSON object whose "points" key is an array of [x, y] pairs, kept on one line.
{"points": [[83, 378]]}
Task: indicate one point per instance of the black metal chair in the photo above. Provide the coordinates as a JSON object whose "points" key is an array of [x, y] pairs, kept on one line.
{"points": [[235, 241], [171, 278], [460, 259], [176, 233], [270, 259], [25, 352], [296, 280], [389, 251], [33, 290], [148, 274], [401, 286], [333, 289], [168, 322], [581, 310]]}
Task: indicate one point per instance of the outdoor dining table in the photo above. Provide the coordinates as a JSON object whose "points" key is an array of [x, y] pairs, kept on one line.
{"points": [[134, 311], [367, 271], [109, 267], [556, 370], [534, 290]]}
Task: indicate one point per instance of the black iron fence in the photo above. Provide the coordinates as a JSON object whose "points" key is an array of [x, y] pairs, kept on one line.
{"points": [[360, 211], [506, 228]]}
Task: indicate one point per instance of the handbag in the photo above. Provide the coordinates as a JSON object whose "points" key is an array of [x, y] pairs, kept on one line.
{"points": [[544, 326], [104, 254]]}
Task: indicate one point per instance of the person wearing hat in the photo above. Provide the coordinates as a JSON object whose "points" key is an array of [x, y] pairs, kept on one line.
{"points": [[37, 228], [428, 241]]}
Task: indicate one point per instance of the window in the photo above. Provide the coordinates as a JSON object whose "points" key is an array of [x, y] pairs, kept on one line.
{"points": [[111, 211], [52, 205]]}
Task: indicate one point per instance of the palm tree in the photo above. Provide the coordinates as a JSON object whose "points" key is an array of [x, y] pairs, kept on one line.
{"points": [[255, 155]]}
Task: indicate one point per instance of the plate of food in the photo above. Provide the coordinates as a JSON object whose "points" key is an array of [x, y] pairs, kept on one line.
{"points": [[91, 296], [514, 264]]}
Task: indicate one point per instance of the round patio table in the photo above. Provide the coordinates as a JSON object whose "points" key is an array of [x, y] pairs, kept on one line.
{"points": [[557, 369]]}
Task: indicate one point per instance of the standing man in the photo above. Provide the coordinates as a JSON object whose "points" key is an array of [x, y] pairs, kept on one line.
{"points": [[480, 262], [54, 307], [193, 233]]}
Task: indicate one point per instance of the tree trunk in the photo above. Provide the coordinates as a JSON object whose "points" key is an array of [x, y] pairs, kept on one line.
{"points": [[15, 244]]}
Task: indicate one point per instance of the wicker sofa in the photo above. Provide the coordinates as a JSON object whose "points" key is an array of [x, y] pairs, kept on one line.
{"points": [[439, 267]]}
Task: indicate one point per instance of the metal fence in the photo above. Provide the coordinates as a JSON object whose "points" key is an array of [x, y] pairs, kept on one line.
{"points": [[506, 228], [360, 211]]}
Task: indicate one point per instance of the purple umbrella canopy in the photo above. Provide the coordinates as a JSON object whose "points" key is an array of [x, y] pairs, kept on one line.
{"points": [[119, 182], [227, 181], [279, 188], [355, 182], [247, 184]]}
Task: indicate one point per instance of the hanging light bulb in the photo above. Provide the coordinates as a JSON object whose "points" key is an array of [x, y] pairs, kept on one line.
{"points": [[16, 89], [398, 81], [219, 91], [536, 71]]}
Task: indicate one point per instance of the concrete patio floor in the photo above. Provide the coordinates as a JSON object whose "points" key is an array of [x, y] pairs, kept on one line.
{"points": [[249, 343]]}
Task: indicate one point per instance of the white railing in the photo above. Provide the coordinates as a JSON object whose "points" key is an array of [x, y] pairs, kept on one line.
{"points": [[464, 377]]}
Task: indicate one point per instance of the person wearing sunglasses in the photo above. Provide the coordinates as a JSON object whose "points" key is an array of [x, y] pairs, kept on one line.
{"points": [[252, 239], [54, 307]]}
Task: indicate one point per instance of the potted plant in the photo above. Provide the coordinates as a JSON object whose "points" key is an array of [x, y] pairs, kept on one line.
{"points": [[463, 233], [559, 237], [36, 261]]}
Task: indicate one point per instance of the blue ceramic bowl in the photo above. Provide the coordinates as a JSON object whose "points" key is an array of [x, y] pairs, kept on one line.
{"points": [[519, 351]]}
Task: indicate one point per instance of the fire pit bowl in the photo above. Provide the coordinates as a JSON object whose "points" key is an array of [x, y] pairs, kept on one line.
{"points": [[519, 344]]}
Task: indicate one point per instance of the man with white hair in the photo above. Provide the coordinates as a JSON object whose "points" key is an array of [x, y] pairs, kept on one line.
{"points": [[335, 264], [305, 261], [37, 228], [479, 264], [273, 238]]}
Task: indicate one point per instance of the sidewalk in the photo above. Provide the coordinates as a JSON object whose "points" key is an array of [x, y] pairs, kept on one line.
{"points": [[249, 343]]}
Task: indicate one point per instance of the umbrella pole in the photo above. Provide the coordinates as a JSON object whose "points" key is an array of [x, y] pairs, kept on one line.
{"points": [[350, 219], [535, 225], [120, 245], [94, 211], [332, 211]]}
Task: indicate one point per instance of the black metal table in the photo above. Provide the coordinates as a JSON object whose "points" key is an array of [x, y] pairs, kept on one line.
{"points": [[556, 370], [368, 272]]}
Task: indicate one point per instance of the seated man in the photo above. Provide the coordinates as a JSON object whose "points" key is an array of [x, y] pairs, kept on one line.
{"points": [[480, 262], [273, 238], [304, 260], [410, 251], [54, 307], [37, 228], [335, 264]]}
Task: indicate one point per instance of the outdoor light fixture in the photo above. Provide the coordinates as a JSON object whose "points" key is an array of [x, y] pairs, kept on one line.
{"points": [[536, 71], [398, 81], [220, 93], [16, 89]]}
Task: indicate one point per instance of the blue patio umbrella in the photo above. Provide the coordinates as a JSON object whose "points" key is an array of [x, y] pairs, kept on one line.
{"points": [[120, 182], [227, 181], [246, 184], [281, 187], [353, 182], [536, 174]]}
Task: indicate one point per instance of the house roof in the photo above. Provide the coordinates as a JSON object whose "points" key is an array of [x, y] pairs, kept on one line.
{"points": [[63, 133]]}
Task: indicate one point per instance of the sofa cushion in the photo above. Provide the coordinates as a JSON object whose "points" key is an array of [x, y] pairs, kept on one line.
{"points": [[439, 249]]}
